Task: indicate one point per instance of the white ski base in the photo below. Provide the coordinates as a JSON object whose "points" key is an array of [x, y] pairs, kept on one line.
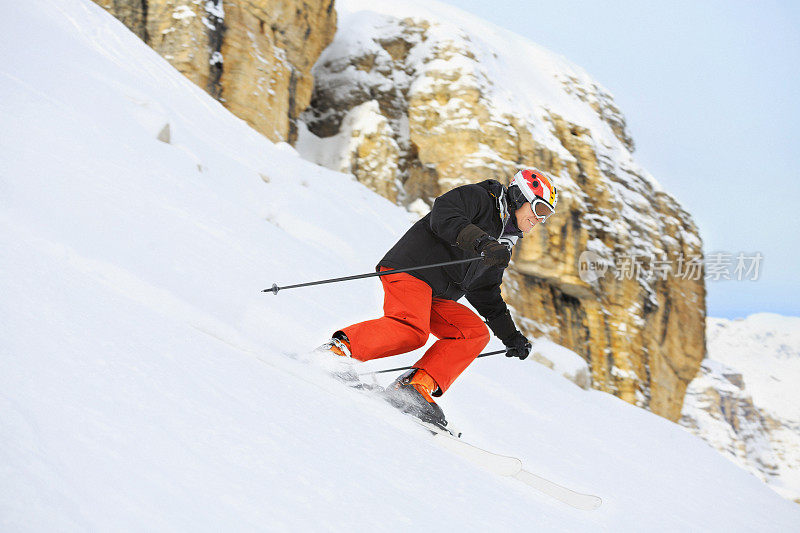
{"points": [[585, 502], [504, 465]]}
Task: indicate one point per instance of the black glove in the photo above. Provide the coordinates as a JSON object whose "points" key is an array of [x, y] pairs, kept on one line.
{"points": [[494, 253], [474, 239], [517, 346]]}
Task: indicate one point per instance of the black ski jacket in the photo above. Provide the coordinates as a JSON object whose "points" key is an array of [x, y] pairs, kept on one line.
{"points": [[433, 240]]}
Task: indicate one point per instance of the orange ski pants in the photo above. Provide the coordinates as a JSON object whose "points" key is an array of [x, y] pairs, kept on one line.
{"points": [[411, 314]]}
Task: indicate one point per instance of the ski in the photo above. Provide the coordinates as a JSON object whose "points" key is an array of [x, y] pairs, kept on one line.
{"points": [[578, 500], [501, 465], [507, 466]]}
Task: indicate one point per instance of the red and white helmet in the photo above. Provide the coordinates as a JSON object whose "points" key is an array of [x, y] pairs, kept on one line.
{"points": [[535, 184]]}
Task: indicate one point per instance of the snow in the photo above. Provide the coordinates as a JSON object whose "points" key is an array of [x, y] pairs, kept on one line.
{"points": [[520, 77], [147, 382], [765, 348], [744, 401], [335, 152], [745, 440], [562, 360], [215, 9], [183, 12]]}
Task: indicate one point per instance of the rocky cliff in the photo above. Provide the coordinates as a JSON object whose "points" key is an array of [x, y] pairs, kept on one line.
{"points": [[254, 56], [719, 409], [415, 99], [744, 401]]}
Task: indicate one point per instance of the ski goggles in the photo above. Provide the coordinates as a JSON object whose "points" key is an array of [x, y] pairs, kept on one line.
{"points": [[541, 209]]}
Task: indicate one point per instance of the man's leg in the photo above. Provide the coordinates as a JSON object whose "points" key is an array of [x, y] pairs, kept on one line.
{"points": [[462, 335], [405, 325]]}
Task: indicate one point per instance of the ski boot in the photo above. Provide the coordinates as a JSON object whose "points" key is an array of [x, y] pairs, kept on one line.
{"points": [[411, 393], [338, 360]]}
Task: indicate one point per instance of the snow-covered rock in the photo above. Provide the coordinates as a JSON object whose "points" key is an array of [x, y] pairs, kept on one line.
{"points": [[745, 400], [562, 360], [253, 56], [449, 99]]}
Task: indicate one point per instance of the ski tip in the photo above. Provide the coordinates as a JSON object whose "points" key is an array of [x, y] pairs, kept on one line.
{"points": [[577, 500], [589, 503]]}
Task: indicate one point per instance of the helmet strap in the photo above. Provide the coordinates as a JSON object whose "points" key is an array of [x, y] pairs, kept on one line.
{"points": [[515, 198]]}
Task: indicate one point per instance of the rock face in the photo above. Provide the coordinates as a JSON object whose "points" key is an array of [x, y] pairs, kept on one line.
{"points": [[720, 410], [744, 401], [455, 101], [364, 147], [254, 56]]}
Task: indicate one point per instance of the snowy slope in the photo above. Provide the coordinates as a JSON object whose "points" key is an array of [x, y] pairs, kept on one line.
{"points": [[145, 379], [765, 348], [744, 402]]}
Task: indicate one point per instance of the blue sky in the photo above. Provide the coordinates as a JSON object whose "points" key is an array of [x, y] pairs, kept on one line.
{"points": [[711, 93]]}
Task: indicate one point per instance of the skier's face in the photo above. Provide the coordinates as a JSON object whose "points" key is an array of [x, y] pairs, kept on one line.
{"points": [[526, 218]]}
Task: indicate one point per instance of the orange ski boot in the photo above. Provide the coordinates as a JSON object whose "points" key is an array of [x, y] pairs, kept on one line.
{"points": [[411, 393], [338, 359]]}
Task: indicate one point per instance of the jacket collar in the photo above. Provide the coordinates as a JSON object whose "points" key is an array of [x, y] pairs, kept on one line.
{"points": [[500, 193]]}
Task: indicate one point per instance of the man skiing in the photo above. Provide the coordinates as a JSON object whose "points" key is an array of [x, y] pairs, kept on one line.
{"points": [[477, 220]]}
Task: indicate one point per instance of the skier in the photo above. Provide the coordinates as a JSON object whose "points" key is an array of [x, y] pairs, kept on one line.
{"points": [[483, 219]]}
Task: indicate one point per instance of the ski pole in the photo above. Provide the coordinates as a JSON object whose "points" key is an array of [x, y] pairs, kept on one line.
{"points": [[274, 289], [487, 354]]}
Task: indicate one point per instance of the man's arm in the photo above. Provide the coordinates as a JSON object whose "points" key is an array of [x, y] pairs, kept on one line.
{"points": [[487, 300], [490, 304], [451, 220], [455, 210]]}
